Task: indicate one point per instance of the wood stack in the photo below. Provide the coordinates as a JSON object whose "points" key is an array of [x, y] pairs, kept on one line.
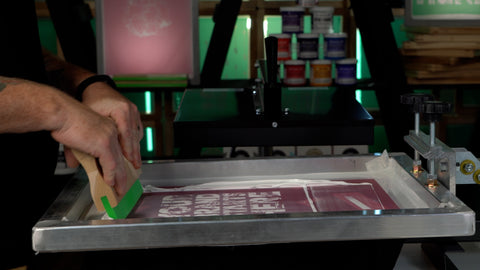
{"points": [[442, 55]]}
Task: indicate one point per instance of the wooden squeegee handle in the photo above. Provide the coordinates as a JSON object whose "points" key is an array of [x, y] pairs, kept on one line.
{"points": [[98, 187]]}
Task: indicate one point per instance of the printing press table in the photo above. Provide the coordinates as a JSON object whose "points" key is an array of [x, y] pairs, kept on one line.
{"points": [[73, 224]]}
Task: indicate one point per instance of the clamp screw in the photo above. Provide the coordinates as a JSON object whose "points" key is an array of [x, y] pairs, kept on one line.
{"points": [[433, 110], [476, 177], [415, 100], [467, 167]]}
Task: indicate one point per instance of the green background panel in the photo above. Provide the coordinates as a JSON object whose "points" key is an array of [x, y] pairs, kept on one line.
{"points": [[237, 64]]}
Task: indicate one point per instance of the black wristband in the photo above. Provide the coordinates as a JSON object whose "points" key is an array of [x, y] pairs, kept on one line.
{"points": [[93, 79]]}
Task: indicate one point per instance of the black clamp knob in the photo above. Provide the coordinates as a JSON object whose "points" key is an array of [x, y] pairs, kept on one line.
{"points": [[433, 110], [415, 101]]}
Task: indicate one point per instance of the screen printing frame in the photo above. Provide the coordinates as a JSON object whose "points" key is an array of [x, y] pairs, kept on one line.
{"points": [[194, 77], [73, 224], [445, 20]]}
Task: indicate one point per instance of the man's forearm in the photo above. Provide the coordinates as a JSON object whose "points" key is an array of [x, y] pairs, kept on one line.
{"points": [[63, 75], [5, 81], [28, 106]]}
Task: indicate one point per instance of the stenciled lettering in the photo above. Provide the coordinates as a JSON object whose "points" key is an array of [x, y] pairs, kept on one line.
{"points": [[207, 205], [175, 205], [266, 202]]}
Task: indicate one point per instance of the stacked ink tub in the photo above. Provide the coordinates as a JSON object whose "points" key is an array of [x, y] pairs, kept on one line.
{"points": [[312, 65]]}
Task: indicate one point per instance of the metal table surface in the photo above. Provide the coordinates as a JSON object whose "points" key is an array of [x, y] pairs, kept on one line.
{"points": [[73, 224]]}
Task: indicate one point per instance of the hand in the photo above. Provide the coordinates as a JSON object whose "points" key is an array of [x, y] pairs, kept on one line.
{"points": [[85, 130], [101, 98], [27, 106]]}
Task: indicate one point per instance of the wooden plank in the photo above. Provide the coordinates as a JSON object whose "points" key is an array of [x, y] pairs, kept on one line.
{"points": [[443, 30], [415, 81], [447, 38], [457, 71], [442, 53], [453, 74], [432, 60], [425, 66], [257, 38], [435, 66], [414, 45]]}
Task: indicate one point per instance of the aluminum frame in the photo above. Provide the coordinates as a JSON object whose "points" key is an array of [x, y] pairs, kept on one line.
{"points": [[72, 223]]}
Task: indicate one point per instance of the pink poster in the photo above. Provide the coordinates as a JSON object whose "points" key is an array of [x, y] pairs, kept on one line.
{"points": [[347, 195], [222, 202], [147, 37]]}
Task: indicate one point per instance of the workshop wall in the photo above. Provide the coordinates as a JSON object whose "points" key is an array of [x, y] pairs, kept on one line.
{"points": [[456, 132]]}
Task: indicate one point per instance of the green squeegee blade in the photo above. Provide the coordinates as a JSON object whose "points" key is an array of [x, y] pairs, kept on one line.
{"points": [[125, 206]]}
